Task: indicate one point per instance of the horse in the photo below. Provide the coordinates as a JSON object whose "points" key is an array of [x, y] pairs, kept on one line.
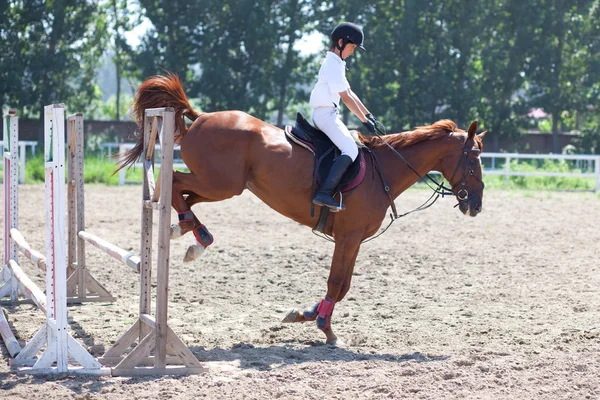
{"points": [[227, 152]]}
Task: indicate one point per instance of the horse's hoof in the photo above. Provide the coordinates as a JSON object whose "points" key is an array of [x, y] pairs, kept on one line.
{"points": [[193, 252], [290, 316], [175, 231], [335, 342]]}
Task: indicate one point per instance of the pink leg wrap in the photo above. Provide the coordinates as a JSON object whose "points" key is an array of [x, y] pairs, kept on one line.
{"points": [[325, 309]]}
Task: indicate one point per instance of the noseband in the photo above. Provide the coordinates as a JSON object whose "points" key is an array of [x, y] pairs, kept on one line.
{"points": [[466, 165]]}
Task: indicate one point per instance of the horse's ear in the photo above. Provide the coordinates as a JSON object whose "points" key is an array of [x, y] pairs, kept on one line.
{"points": [[481, 135], [472, 129]]}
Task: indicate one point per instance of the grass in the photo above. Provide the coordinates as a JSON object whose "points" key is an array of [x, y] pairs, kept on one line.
{"points": [[543, 182]]}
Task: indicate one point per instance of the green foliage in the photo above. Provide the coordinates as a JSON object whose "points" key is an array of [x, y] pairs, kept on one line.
{"points": [[545, 125], [48, 52], [107, 110], [456, 59], [589, 141], [96, 171], [34, 169], [99, 171]]}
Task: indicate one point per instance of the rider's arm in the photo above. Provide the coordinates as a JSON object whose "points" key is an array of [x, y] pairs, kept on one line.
{"points": [[354, 104], [360, 104]]}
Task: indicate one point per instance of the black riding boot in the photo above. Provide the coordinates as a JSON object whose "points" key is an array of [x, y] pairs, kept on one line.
{"points": [[324, 196]]}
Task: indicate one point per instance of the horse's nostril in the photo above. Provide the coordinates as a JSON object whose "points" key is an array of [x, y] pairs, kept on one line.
{"points": [[478, 208]]}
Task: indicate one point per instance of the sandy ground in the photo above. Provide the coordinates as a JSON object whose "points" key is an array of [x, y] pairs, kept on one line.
{"points": [[505, 305]]}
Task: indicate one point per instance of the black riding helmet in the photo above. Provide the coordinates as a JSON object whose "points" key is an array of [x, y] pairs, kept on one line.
{"points": [[349, 33]]}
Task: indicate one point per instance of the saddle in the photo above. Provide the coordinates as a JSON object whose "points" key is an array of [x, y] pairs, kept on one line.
{"points": [[325, 152]]}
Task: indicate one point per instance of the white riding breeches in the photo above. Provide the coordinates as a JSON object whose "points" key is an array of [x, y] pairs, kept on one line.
{"points": [[327, 119]]}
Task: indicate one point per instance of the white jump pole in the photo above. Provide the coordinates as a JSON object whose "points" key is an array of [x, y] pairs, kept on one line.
{"points": [[115, 252]]}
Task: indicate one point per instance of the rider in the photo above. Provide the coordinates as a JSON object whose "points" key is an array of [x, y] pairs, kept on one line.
{"points": [[324, 100]]}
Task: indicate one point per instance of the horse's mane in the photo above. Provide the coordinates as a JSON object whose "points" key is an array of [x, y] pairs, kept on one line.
{"points": [[419, 134]]}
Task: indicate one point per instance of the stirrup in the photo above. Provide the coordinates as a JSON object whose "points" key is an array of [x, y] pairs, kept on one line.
{"points": [[340, 207], [336, 208]]}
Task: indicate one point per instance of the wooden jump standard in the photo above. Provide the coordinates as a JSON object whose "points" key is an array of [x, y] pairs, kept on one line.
{"points": [[81, 285], [61, 349], [10, 157], [159, 350]]}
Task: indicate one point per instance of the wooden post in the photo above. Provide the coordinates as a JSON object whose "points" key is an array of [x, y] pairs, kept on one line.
{"points": [[597, 172], [81, 285], [157, 344], [507, 171], [162, 260], [11, 199], [56, 276], [60, 346], [12, 345]]}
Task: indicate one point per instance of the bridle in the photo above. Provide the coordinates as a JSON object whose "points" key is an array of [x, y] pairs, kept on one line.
{"points": [[465, 164]]}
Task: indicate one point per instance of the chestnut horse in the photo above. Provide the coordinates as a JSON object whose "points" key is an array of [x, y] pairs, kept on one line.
{"points": [[230, 151]]}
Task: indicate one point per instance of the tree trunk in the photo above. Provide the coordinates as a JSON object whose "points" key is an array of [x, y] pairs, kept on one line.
{"points": [[286, 70], [555, 132], [118, 94], [117, 60]]}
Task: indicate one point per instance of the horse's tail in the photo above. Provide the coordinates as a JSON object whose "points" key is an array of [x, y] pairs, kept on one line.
{"points": [[156, 92]]}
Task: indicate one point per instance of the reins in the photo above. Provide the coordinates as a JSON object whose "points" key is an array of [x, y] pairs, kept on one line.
{"points": [[439, 189]]}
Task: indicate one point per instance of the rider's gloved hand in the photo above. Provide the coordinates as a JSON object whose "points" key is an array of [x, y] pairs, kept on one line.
{"points": [[371, 117], [370, 125]]}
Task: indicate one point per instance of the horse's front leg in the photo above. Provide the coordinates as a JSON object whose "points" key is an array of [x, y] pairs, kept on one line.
{"points": [[188, 221], [338, 284]]}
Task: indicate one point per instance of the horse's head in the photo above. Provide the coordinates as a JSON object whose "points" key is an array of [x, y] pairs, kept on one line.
{"points": [[466, 175]]}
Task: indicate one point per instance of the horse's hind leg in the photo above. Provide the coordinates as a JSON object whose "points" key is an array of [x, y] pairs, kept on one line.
{"points": [[187, 219]]}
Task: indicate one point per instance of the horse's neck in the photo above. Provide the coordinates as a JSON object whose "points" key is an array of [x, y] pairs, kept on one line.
{"points": [[423, 157]]}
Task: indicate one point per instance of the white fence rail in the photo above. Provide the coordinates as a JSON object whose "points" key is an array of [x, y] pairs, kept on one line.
{"points": [[23, 144], [123, 147], [588, 164]]}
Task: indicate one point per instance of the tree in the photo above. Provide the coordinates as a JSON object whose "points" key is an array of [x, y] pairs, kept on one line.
{"points": [[120, 23], [12, 64], [52, 51], [560, 68], [172, 44], [294, 21], [506, 47]]}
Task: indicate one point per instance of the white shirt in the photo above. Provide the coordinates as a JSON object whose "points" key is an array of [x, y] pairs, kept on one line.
{"points": [[332, 81]]}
